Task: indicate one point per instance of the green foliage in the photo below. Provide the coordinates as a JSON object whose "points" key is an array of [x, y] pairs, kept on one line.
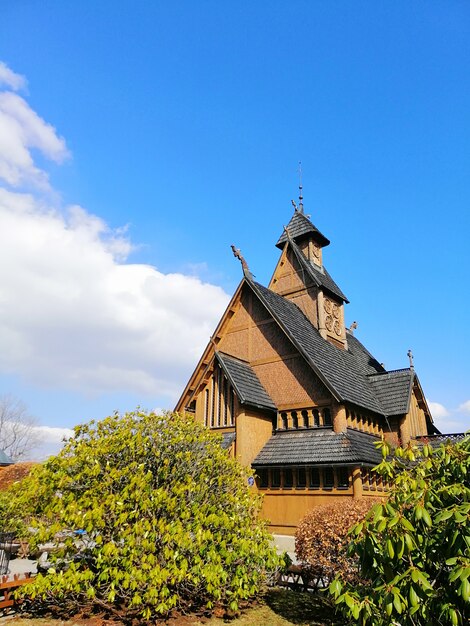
{"points": [[414, 550], [322, 537], [169, 518], [11, 518]]}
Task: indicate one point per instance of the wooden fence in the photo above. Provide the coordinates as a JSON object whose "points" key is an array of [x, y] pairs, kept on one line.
{"points": [[8, 585]]}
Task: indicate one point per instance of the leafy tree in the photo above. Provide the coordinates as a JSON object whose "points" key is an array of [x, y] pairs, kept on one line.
{"points": [[169, 519], [414, 550], [322, 537]]}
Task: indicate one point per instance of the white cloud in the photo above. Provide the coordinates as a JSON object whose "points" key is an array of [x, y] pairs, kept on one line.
{"points": [[438, 410], [10, 78], [74, 312], [22, 130], [464, 407], [50, 442]]}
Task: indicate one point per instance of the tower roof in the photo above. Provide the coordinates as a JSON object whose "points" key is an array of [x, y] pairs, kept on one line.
{"points": [[299, 227]]}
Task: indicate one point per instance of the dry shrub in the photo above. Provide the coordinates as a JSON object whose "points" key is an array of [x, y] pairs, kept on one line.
{"points": [[322, 537], [14, 473]]}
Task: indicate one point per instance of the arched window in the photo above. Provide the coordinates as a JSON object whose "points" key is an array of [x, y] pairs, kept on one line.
{"points": [[305, 418]]}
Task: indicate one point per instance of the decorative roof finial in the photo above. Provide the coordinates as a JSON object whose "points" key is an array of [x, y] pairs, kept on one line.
{"points": [[237, 254], [410, 356], [353, 327], [301, 198], [294, 205]]}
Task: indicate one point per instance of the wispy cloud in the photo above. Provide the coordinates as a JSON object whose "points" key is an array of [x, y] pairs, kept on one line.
{"points": [[438, 410], [75, 312], [465, 407], [10, 79], [450, 420]]}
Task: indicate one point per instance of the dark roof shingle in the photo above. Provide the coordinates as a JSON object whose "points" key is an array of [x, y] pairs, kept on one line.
{"points": [[342, 371], [393, 390], [299, 226], [321, 446], [245, 382], [320, 276]]}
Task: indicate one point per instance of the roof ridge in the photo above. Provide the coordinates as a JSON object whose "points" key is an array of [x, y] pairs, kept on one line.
{"points": [[403, 369]]}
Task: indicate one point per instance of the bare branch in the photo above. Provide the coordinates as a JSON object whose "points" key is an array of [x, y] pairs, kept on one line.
{"points": [[18, 428]]}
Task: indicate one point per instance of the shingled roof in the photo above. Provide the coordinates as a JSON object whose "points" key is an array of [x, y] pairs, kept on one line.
{"points": [[344, 372], [393, 390], [318, 275], [319, 446], [245, 382], [298, 227]]}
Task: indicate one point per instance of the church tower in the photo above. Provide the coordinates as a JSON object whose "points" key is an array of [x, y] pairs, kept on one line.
{"points": [[301, 277]]}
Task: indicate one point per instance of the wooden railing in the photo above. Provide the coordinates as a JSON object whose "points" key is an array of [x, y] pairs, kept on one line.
{"points": [[8, 585]]}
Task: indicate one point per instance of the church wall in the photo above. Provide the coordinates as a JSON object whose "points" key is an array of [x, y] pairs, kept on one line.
{"points": [[287, 277], [290, 281], [291, 384], [253, 429], [306, 300], [416, 418], [284, 511]]}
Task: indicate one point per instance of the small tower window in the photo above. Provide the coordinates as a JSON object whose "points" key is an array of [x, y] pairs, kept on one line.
{"points": [[316, 418], [295, 420], [305, 418], [326, 417], [284, 421]]}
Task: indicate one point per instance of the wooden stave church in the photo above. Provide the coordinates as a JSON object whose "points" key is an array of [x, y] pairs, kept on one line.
{"points": [[294, 393]]}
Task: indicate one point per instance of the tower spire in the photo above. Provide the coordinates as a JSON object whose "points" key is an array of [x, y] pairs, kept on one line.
{"points": [[301, 198]]}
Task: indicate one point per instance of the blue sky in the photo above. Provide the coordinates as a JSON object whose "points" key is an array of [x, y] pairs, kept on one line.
{"points": [[174, 129]]}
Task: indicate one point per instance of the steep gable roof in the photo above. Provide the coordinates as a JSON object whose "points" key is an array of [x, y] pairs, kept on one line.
{"points": [[300, 226], [318, 446], [340, 370], [245, 382], [320, 276], [393, 390]]}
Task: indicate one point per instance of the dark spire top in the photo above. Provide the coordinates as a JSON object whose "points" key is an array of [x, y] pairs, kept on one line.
{"points": [[300, 227], [237, 254]]}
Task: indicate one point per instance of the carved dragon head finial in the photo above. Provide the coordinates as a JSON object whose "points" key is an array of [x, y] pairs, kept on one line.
{"points": [[410, 356], [238, 255], [353, 327]]}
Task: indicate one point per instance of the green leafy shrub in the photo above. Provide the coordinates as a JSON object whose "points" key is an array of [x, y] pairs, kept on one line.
{"points": [[414, 550], [170, 520], [322, 538]]}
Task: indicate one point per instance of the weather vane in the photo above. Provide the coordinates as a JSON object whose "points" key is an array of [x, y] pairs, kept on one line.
{"points": [[301, 198]]}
